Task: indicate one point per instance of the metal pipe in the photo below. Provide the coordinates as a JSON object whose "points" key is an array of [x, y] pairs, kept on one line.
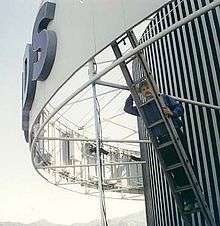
{"points": [[98, 153], [120, 114], [129, 135], [93, 140], [201, 104], [105, 180], [118, 124], [92, 165], [67, 166], [91, 97], [105, 61], [123, 178], [126, 188], [113, 85], [124, 163], [106, 105]]}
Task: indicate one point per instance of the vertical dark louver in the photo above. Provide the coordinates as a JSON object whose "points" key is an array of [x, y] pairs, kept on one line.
{"points": [[186, 63]]}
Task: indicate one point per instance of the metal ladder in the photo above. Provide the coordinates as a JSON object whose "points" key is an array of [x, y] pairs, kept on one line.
{"points": [[170, 150]]}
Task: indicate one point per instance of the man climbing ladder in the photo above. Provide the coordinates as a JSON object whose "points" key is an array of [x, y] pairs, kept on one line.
{"points": [[174, 110], [164, 135]]}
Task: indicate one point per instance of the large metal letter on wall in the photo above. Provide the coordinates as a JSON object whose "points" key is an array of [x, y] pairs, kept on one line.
{"points": [[28, 87], [38, 60], [44, 42]]}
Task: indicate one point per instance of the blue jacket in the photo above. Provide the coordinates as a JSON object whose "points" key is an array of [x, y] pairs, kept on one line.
{"points": [[173, 105]]}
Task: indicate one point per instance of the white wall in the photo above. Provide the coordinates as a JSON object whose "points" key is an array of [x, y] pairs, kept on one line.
{"points": [[83, 29]]}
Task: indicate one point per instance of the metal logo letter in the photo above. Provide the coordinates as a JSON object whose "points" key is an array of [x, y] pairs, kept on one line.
{"points": [[28, 87], [44, 42], [38, 60]]}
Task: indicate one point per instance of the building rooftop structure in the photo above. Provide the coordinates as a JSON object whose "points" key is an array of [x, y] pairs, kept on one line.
{"points": [[79, 136]]}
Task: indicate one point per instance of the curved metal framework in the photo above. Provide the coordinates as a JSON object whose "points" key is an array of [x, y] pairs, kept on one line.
{"points": [[70, 158], [66, 157]]}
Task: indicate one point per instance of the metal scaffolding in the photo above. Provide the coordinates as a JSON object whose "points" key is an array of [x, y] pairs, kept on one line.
{"points": [[65, 157]]}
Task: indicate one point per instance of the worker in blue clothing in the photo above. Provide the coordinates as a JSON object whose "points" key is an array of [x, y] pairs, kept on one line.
{"points": [[173, 110]]}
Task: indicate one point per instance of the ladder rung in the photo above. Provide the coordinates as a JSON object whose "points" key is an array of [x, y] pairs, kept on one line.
{"points": [[155, 123], [147, 102], [164, 145], [194, 210], [184, 188], [139, 81], [175, 166]]}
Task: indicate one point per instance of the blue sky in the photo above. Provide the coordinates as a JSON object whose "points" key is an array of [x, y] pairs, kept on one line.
{"points": [[24, 196]]}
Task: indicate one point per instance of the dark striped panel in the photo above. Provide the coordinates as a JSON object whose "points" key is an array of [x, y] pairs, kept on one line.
{"points": [[186, 63]]}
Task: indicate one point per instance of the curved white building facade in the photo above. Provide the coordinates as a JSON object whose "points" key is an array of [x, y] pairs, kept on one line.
{"points": [[60, 65]]}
